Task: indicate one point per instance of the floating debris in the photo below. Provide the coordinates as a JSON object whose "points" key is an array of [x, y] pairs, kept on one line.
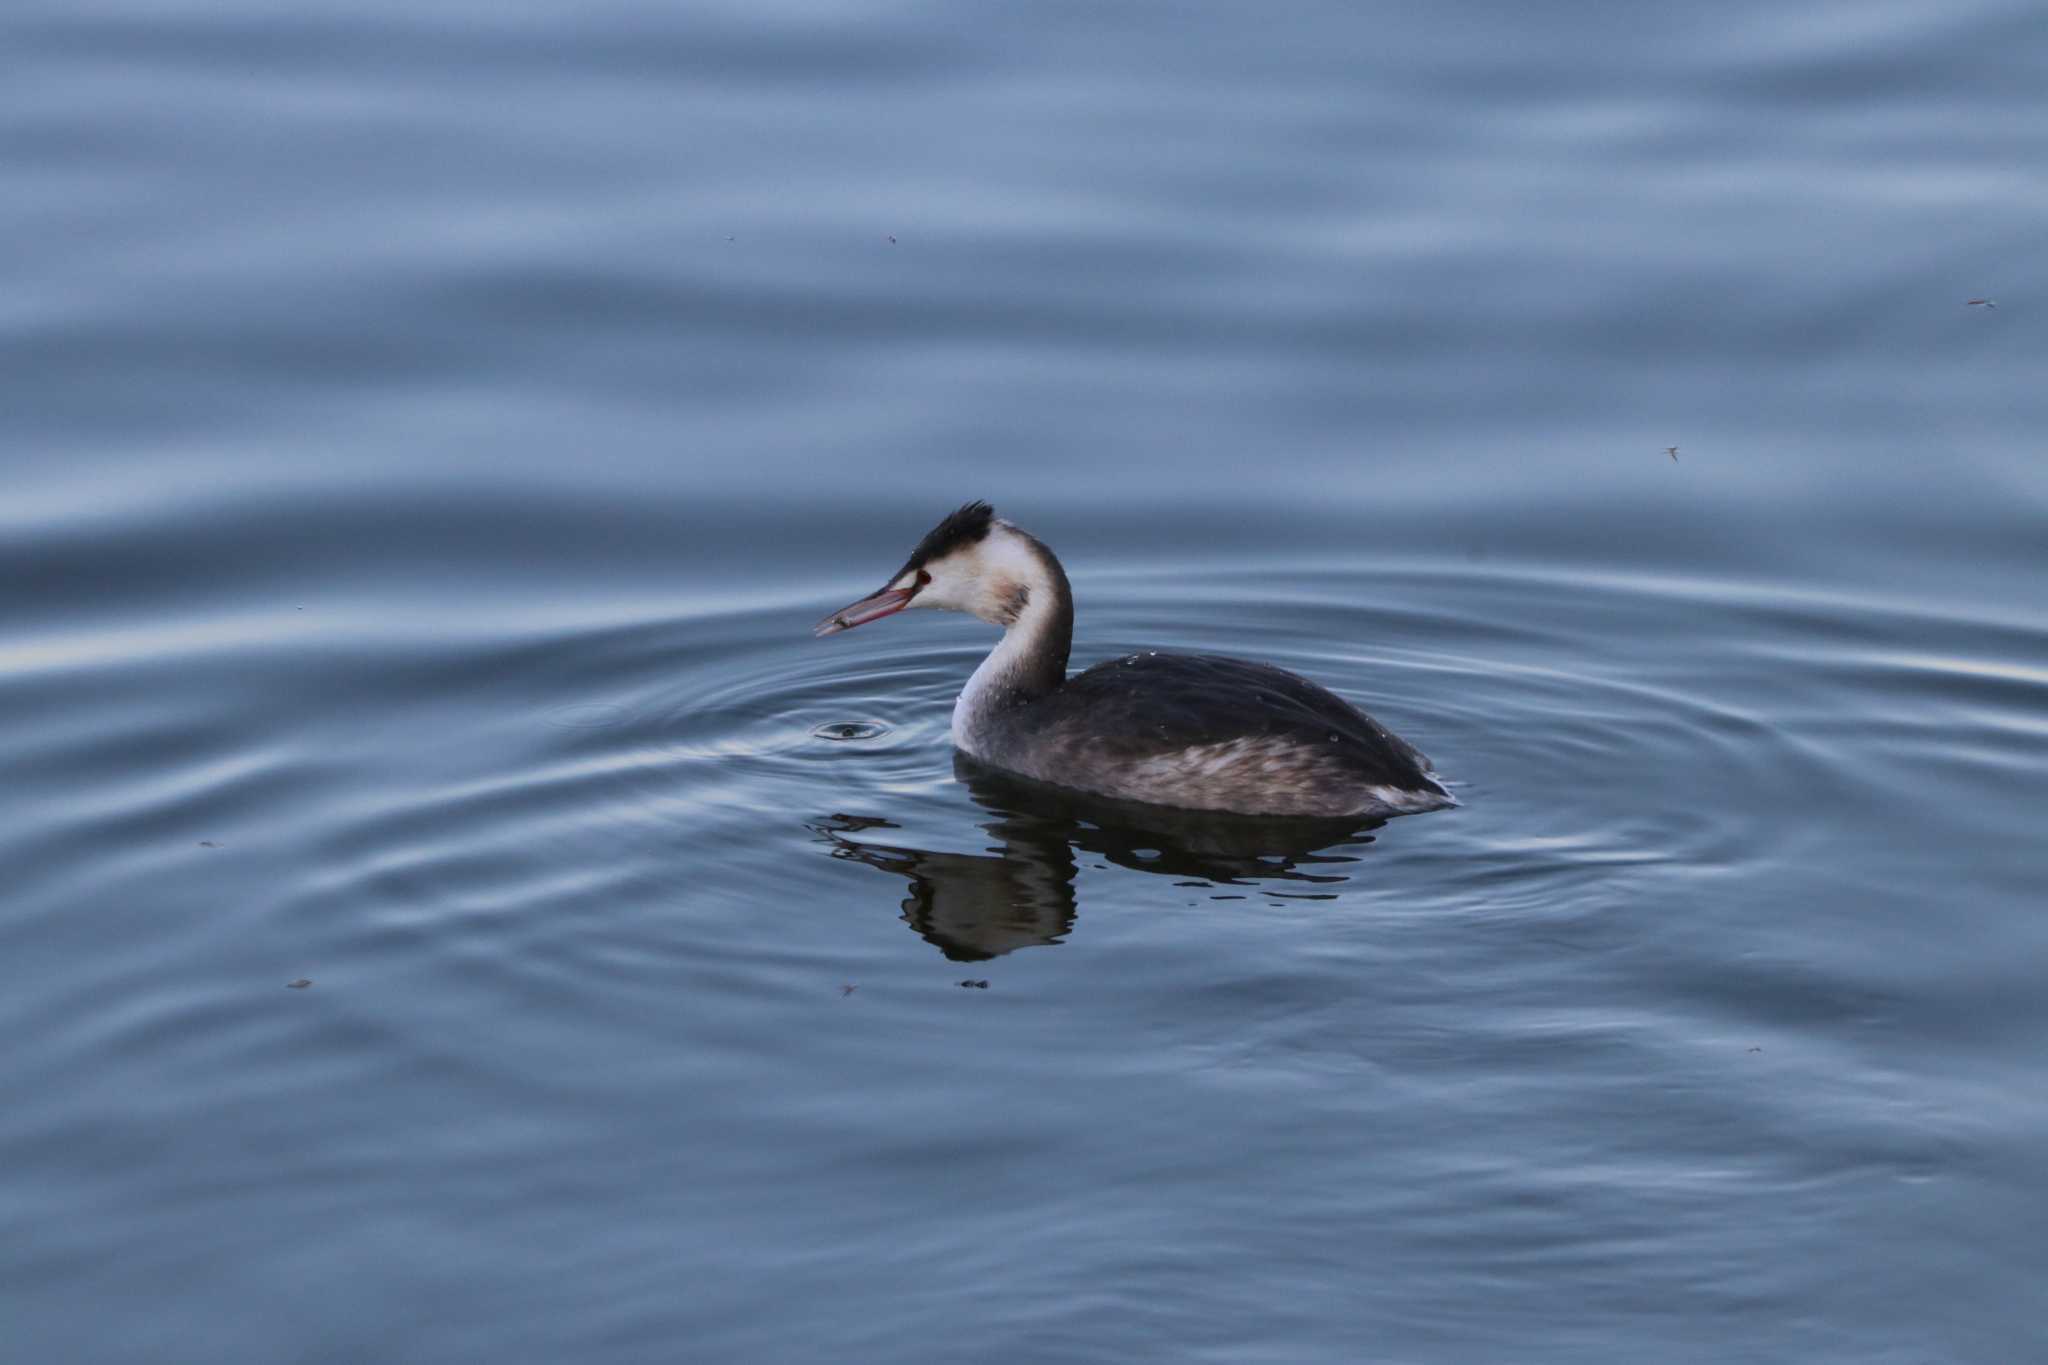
{"points": [[298, 985], [975, 985], [1980, 303], [842, 730]]}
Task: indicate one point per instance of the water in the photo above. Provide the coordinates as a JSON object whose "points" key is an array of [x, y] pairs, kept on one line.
{"points": [[429, 434]]}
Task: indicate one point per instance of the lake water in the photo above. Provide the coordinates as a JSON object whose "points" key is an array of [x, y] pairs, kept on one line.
{"points": [[429, 433]]}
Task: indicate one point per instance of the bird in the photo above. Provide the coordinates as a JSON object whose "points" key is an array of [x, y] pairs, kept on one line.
{"points": [[1193, 731]]}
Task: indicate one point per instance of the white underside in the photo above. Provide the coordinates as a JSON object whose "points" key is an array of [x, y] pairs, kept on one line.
{"points": [[1401, 801]]}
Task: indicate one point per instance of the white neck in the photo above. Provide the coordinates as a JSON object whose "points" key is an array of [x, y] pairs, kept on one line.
{"points": [[1031, 658]]}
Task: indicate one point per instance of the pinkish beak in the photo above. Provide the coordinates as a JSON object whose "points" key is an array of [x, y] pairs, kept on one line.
{"points": [[887, 602]]}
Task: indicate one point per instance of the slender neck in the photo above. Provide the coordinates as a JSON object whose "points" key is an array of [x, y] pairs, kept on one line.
{"points": [[1030, 661], [1039, 632]]}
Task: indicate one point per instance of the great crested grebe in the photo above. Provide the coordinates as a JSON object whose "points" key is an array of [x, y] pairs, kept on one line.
{"points": [[1191, 730]]}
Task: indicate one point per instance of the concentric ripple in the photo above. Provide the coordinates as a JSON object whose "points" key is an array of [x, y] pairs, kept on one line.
{"points": [[847, 731], [1593, 765], [647, 865]]}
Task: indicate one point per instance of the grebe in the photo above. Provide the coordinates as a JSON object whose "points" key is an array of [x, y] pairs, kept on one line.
{"points": [[1191, 730]]}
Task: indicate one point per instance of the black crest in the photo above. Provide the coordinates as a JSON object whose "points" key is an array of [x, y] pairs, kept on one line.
{"points": [[965, 527]]}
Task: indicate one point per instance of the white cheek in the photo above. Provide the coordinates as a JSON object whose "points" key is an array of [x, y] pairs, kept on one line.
{"points": [[941, 595], [948, 591]]}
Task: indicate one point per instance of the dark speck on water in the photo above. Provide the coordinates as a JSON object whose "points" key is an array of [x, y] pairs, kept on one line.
{"points": [[1337, 341]]}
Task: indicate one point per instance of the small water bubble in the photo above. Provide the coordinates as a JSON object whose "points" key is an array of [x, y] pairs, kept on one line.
{"points": [[842, 730]]}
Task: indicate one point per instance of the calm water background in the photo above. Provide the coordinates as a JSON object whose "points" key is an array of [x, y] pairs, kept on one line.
{"points": [[430, 430]]}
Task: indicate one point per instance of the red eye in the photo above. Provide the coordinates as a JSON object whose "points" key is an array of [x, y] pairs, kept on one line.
{"points": [[923, 578]]}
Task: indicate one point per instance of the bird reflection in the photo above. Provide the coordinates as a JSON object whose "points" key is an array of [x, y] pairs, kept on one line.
{"points": [[973, 907]]}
